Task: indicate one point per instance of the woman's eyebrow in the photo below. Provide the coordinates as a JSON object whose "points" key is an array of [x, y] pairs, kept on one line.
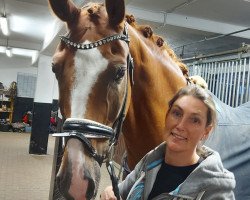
{"points": [[194, 113], [177, 106]]}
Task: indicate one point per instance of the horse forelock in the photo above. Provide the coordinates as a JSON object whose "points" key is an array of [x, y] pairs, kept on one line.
{"points": [[93, 6]]}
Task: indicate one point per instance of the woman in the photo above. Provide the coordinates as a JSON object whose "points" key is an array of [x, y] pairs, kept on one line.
{"points": [[181, 168]]}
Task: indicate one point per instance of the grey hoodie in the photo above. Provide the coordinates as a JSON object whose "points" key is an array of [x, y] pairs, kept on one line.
{"points": [[210, 180]]}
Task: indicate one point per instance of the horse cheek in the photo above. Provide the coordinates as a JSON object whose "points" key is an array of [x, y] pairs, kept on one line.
{"points": [[113, 104]]}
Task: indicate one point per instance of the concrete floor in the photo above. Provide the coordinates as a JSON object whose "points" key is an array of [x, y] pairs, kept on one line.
{"points": [[24, 176]]}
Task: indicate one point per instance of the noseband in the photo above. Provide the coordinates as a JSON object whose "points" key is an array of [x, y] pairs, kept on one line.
{"points": [[84, 129]]}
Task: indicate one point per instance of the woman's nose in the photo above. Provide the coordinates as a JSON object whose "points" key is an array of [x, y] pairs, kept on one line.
{"points": [[181, 124]]}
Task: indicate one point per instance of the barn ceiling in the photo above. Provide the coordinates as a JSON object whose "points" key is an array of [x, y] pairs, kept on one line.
{"points": [[187, 25]]}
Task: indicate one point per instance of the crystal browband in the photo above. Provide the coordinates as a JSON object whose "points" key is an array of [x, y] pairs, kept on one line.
{"points": [[97, 43]]}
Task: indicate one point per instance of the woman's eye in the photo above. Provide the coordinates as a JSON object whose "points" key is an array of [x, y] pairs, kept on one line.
{"points": [[120, 73], [195, 120], [176, 113]]}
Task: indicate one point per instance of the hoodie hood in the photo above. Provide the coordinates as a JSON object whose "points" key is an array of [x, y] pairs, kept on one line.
{"points": [[210, 175], [209, 180]]}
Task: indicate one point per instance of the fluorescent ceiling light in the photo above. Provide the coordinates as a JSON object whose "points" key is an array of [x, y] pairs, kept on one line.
{"points": [[4, 25], [33, 54], [24, 52]]}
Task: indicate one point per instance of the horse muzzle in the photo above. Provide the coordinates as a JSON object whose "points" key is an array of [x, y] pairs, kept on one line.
{"points": [[78, 186]]}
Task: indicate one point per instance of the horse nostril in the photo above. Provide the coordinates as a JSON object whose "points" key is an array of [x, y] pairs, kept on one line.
{"points": [[63, 185], [91, 184], [93, 181], [53, 67]]}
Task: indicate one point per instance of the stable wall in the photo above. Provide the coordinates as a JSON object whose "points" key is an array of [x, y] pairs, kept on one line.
{"points": [[9, 67]]}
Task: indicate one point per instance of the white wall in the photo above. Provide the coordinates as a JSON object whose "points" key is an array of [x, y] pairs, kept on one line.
{"points": [[9, 67]]}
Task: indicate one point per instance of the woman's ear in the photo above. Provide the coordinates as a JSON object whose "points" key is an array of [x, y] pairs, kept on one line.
{"points": [[207, 131]]}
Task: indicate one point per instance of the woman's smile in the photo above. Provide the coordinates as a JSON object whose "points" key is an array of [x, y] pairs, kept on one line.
{"points": [[177, 136]]}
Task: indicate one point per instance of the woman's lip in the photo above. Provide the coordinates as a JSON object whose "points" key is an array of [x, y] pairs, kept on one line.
{"points": [[178, 136]]}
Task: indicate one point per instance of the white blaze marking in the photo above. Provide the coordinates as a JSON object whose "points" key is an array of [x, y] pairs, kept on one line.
{"points": [[88, 65]]}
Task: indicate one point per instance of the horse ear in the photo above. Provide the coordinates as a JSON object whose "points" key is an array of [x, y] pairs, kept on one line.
{"points": [[116, 11], [64, 9]]}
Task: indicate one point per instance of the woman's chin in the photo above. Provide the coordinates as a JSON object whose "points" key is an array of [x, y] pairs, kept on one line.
{"points": [[174, 145]]}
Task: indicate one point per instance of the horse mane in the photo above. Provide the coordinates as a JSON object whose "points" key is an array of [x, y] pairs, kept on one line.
{"points": [[158, 41]]}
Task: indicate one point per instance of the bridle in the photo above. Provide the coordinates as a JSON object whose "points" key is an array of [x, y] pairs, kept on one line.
{"points": [[84, 129]]}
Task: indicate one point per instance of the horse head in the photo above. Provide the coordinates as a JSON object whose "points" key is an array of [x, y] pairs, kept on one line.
{"points": [[90, 64]]}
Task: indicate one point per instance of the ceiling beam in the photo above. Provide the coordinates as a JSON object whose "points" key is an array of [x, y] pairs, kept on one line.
{"points": [[188, 22], [20, 44]]}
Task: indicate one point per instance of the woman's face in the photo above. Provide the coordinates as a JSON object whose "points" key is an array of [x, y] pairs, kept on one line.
{"points": [[186, 124]]}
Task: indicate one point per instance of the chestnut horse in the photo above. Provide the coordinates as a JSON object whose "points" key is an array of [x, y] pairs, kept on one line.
{"points": [[95, 86], [98, 88]]}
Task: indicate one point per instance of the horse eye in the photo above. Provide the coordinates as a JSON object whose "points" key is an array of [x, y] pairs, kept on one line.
{"points": [[120, 73], [54, 67]]}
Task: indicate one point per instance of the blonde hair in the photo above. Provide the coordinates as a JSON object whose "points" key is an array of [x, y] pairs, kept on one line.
{"points": [[201, 94]]}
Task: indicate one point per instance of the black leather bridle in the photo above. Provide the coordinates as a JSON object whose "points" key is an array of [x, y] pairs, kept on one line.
{"points": [[84, 129]]}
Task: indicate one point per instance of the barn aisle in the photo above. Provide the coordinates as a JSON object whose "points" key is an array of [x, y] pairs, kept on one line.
{"points": [[24, 176]]}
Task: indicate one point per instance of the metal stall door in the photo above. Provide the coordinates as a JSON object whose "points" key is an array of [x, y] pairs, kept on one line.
{"points": [[227, 79]]}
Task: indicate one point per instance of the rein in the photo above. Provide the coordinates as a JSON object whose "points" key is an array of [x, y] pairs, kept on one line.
{"points": [[84, 129]]}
